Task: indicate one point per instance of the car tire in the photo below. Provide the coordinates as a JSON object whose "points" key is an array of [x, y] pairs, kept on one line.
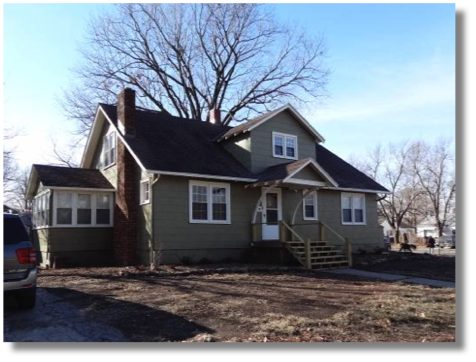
{"points": [[27, 298]]}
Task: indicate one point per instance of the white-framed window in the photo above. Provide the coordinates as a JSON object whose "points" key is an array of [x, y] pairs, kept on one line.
{"points": [[82, 209], [84, 214], [285, 146], [309, 206], [64, 208], [353, 209], [41, 210], [145, 191], [104, 209], [109, 150], [209, 202]]}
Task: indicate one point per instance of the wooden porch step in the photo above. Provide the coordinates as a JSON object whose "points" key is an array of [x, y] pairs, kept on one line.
{"points": [[300, 243], [315, 249]]}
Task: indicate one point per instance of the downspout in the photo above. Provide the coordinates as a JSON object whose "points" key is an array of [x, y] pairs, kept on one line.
{"points": [[155, 178]]}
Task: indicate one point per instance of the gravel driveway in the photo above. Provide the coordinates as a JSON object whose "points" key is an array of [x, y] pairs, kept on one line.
{"points": [[53, 320]]}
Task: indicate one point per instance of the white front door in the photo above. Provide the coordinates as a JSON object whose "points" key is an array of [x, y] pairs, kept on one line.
{"points": [[271, 214]]}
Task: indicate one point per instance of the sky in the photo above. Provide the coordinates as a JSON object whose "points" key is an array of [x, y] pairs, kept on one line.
{"points": [[393, 72]]}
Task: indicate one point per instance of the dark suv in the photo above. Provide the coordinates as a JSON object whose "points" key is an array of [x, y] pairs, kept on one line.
{"points": [[19, 271]]}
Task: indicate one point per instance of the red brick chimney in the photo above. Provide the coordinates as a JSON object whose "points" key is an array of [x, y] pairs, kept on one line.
{"points": [[125, 212], [126, 111], [215, 116]]}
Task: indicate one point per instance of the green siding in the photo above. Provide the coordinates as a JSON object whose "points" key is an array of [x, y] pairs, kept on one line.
{"points": [[262, 141], [175, 236], [363, 237], [82, 246], [308, 174]]}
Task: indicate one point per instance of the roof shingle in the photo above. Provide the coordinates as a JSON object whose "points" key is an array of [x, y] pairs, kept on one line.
{"points": [[57, 176]]}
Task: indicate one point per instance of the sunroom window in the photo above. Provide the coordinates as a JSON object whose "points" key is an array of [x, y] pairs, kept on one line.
{"points": [[82, 209], [41, 210]]}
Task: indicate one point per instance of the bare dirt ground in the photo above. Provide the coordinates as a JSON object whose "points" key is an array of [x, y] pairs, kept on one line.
{"points": [[441, 267], [235, 303]]}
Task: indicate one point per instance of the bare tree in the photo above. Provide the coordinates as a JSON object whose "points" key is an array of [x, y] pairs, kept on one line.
{"points": [[435, 170], [65, 155], [391, 167], [10, 166], [185, 59], [17, 195]]}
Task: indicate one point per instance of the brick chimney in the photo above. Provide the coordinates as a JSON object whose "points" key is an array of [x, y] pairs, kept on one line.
{"points": [[215, 116], [126, 111], [125, 211]]}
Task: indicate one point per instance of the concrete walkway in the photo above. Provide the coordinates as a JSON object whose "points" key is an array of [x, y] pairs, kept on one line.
{"points": [[394, 277]]}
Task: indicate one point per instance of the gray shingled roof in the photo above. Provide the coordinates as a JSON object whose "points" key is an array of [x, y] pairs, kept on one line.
{"points": [[172, 144], [346, 175], [281, 171], [57, 176]]}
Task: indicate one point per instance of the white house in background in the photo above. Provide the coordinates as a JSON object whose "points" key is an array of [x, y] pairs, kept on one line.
{"points": [[404, 229], [427, 227]]}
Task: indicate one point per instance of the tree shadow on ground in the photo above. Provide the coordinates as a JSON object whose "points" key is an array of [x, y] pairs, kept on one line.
{"points": [[138, 322]]}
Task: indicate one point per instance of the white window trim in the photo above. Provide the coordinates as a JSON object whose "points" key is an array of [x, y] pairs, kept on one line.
{"points": [[316, 214], [144, 201], [352, 195], [103, 151], [285, 136], [74, 205], [209, 186]]}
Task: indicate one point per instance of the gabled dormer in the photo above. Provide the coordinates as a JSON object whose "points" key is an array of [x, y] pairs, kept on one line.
{"points": [[278, 137]]}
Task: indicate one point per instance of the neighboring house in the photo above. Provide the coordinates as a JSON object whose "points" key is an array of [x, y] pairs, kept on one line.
{"points": [[157, 188], [427, 227], [404, 229]]}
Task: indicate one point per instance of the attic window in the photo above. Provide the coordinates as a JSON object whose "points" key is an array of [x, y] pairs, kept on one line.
{"points": [[109, 150], [284, 146]]}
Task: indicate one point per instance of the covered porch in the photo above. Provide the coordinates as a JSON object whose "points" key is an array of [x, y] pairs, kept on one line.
{"points": [[286, 216]]}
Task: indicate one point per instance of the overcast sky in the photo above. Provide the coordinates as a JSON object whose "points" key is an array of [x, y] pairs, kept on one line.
{"points": [[393, 72]]}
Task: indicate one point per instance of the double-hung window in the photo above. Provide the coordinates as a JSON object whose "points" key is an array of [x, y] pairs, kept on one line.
{"points": [[209, 202], [109, 149], [64, 208], [310, 206], [353, 209], [145, 191], [285, 146]]}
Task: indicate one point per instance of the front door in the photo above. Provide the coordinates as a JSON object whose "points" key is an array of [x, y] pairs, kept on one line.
{"points": [[271, 214]]}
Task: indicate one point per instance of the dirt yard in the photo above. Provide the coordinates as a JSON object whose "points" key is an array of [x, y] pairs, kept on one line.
{"points": [[240, 304], [441, 267]]}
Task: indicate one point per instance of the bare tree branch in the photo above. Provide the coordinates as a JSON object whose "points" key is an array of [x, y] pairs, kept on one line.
{"points": [[185, 59]]}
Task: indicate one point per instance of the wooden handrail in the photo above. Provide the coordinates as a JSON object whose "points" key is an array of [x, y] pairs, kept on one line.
{"points": [[332, 230], [291, 230]]}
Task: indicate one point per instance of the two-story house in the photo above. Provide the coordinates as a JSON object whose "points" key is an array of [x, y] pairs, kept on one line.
{"points": [[154, 188]]}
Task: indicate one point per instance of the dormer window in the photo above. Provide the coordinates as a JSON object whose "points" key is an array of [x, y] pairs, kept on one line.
{"points": [[285, 146]]}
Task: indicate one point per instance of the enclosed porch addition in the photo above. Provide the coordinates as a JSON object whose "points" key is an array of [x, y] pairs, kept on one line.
{"points": [[289, 216], [73, 216]]}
